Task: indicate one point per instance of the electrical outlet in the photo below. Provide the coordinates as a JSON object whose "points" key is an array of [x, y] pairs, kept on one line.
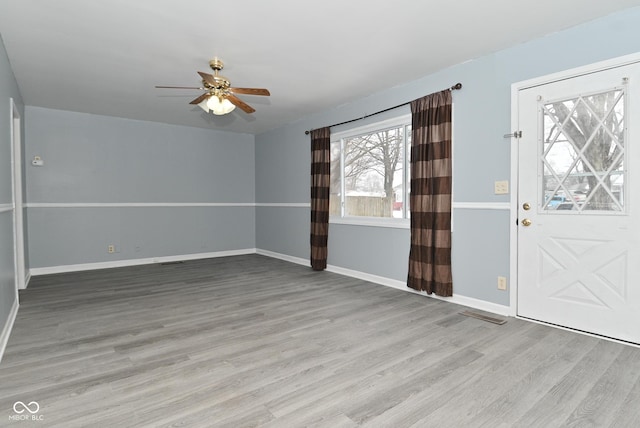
{"points": [[111, 249], [501, 187], [502, 283]]}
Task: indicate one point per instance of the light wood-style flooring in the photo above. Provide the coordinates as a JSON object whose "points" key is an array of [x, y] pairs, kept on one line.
{"points": [[250, 341]]}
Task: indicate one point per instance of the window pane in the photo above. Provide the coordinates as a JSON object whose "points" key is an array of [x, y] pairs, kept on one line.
{"points": [[335, 188], [583, 153], [373, 174]]}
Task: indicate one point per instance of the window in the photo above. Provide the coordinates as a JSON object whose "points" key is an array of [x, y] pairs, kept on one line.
{"points": [[370, 172], [583, 153]]}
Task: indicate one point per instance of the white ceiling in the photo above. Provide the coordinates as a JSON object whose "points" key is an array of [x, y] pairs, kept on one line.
{"points": [[104, 57]]}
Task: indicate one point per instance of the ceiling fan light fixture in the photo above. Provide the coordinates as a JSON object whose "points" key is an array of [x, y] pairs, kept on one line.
{"points": [[220, 97], [219, 105], [204, 105]]}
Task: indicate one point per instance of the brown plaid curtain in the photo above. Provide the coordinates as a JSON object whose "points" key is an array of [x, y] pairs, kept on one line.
{"points": [[430, 199], [320, 179]]}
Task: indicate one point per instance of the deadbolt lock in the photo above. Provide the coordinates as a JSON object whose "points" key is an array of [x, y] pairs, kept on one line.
{"points": [[526, 206]]}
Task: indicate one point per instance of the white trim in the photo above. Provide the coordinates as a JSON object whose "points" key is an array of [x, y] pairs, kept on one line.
{"points": [[405, 223], [6, 208], [402, 286], [346, 220], [472, 302], [136, 262], [135, 204], [515, 126], [396, 223], [162, 204], [481, 205], [27, 278], [393, 283], [513, 217], [8, 326], [285, 257], [399, 285], [284, 204], [16, 196]]}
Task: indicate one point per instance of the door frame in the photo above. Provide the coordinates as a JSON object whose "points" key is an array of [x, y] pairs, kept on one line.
{"points": [[515, 126], [16, 194]]}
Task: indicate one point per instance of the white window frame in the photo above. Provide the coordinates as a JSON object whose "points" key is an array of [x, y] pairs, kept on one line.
{"points": [[399, 223]]}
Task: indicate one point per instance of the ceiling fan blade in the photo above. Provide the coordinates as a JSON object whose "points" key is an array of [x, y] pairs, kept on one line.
{"points": [[201, 98], [238, 102], [207, 78], [250, 91], [180, 87]]}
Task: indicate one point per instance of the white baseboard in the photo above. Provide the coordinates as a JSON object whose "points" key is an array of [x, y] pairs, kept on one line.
{"points": [[388, 282], [285, 257], [402, 286], [27, 278], [399, 285], [474, 303], [136, 262], [8, 326]]}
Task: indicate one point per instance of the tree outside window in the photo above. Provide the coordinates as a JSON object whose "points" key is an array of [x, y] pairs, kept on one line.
{"points": [[369, 174]]}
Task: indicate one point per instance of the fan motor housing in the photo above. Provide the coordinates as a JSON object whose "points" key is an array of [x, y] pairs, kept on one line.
{"points": [[221, 83]]}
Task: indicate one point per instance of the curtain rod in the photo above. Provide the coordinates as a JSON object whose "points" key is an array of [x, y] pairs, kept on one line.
{"points": [[453, 88]]}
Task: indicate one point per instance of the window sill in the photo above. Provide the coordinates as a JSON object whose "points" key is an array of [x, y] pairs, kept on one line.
{"points": [[394, 223]]}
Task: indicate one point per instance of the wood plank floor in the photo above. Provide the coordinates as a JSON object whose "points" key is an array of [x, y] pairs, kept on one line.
{"points": [[250, 341]]}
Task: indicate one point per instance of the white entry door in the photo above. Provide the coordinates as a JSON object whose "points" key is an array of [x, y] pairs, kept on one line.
{"points": [[579, 203]]}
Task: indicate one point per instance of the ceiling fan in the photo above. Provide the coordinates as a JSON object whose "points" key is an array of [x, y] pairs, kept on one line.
{"points": [[219, 96]]}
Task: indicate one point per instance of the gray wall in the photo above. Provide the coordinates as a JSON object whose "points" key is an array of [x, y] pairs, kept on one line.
{"points": [[90, 159], [8, 89], [482, 114]]}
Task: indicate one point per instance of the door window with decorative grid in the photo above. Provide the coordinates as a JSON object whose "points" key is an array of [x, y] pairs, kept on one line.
{"points": [[583, 153]]}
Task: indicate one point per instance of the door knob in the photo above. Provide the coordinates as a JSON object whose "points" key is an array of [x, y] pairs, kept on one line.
{"points": [[526, 222]]}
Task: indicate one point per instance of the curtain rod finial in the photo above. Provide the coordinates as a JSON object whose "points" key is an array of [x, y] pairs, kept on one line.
{"points": [[307, 132], [456, 86]]}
